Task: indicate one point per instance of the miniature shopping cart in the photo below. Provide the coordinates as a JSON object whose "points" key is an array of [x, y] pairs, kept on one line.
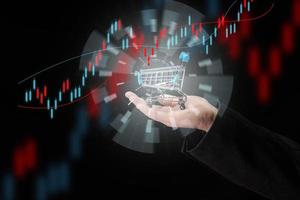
{"points": [[162, 82]]}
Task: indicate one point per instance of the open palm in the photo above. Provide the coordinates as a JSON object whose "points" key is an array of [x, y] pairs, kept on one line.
{"points": [[199, 113]]}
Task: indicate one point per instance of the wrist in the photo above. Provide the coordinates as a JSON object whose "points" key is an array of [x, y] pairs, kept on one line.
{"points": [[209, 118]]}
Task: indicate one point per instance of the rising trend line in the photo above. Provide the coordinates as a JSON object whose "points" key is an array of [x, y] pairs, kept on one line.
{"points": [[149, 46]]}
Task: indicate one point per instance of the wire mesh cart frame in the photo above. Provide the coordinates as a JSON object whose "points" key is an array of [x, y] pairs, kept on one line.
{"points": [[164, 80]]}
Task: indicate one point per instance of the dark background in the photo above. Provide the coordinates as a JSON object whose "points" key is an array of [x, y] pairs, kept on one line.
{"points": [[46, 33]]}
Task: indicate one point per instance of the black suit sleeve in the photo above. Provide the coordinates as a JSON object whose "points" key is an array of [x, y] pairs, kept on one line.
{"points": [[250, 156]]}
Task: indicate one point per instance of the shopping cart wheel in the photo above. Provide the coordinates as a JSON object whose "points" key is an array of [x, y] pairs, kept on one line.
{"points": [[181, 105], [181, 102]]}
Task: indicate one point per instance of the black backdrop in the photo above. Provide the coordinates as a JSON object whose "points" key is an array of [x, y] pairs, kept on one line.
{"points": [[45, 33]]}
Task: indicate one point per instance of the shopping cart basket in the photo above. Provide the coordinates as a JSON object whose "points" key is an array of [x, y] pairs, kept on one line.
{"points": [[163, 80]]}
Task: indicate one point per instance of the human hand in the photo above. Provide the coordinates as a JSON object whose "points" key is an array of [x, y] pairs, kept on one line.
{"points": [[198, 112]]}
